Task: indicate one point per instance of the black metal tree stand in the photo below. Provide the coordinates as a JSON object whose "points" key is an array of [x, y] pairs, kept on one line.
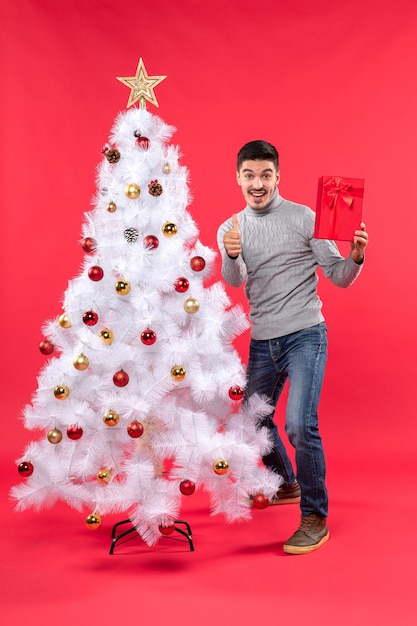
{"points": [[118, 536]]}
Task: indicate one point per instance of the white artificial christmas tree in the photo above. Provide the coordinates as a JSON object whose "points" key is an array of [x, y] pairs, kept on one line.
{"points": [[141, 401]]}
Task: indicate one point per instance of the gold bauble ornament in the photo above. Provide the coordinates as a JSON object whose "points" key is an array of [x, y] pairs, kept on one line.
{"points": [[169, 229], [132, 191], [111, 418], [54, 435], [111, 207], [191, 305], [107, 336], [64, 321], [178, 372], [104, 475], [93, 521], [122, 287], [61, 392], [81, 362], [221, 467], [166, 168]]}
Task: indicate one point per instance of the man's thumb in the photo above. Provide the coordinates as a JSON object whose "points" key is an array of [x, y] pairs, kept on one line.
{"points": [[235, 223]]}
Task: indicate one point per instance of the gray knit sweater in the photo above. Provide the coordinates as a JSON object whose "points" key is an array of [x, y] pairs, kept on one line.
{"points": [[278, 266]]}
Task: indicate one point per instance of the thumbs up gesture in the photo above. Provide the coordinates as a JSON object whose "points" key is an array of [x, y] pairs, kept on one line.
{"points": [[231, 239]]}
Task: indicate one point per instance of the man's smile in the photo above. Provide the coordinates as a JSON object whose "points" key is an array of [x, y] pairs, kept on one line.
{"points": [[258, 194]]}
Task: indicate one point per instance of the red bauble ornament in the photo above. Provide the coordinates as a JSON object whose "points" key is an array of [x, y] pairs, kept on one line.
{"points": [[181, 284], [236, 393], [148, 337], [25, 468], [166, 529], [197, 263], [135, 429], [150, 242], [143, 142], [46, 347], [95, 273], [74, 432], [88, 244], [187, 487], [121, 379], [260, 501], [90, 318]]}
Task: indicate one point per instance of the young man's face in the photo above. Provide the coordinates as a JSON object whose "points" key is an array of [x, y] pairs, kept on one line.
{"points": [[258, 180]]}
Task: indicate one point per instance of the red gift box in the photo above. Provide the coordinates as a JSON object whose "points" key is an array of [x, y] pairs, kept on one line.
{"points": [[339, 207]]}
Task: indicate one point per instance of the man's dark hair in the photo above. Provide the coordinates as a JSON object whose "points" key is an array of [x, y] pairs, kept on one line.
{"points": [[258, 150]]}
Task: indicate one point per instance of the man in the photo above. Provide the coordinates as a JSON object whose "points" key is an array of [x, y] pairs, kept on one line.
{"points": [[269, 246]]}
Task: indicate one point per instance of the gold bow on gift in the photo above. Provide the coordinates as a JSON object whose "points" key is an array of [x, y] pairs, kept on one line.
{"points": [[337, 188]]}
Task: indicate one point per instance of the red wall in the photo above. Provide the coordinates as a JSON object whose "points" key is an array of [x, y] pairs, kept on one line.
{"points": [[331, 83]]}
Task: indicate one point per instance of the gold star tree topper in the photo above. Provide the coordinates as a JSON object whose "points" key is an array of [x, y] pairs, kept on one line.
{"points": [[141, 86]]}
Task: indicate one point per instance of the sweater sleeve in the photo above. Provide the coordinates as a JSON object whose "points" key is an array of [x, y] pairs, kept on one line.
{"points": [[233, 270], [341, 271]]}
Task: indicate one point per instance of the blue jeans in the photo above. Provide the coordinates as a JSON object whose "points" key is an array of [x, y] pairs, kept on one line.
{"points": [[300, 357]]}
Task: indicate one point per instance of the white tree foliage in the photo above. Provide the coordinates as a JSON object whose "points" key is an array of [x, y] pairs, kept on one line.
{"points": [[190, 422]]}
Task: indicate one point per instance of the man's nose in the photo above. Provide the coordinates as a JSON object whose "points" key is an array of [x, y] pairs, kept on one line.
{"points": [[257, 182]]}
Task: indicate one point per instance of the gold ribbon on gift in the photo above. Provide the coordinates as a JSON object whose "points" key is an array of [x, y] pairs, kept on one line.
{"points": [[337, 190]]}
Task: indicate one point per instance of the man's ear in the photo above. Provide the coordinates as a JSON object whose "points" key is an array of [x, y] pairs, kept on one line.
{"points": [[278, 177], [238, 178]]}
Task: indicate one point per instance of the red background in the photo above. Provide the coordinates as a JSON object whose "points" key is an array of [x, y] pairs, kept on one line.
{"points": [[331, 83]]}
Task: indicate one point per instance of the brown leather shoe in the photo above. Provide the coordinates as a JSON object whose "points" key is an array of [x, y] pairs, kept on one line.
{"points": [[287, 495], [311, 534]]}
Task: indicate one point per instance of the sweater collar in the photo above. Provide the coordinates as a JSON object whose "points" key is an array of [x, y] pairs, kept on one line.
{"points": [[271, 207]]}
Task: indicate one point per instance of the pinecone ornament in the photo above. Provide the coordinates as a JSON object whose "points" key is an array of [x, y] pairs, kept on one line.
{"points": [[113, 155], [155, 188], [131, 234]]}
